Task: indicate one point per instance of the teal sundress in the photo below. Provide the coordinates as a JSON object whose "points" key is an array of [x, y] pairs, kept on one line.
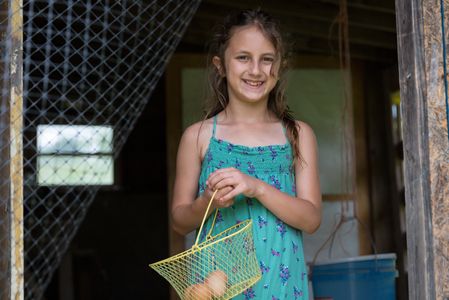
{"points": [[279, 247]]}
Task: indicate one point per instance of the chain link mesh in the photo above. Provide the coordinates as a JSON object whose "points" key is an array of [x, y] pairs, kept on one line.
{"points": [[89, 68]]}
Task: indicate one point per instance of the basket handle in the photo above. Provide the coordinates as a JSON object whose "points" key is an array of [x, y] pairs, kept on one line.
{"points": [[204, 219]]}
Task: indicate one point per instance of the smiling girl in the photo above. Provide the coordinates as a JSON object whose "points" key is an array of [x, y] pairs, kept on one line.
{"points": [[262, 162]]}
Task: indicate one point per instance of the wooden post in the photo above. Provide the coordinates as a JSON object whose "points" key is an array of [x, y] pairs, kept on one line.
{"points": [[4, 170], [360, 171], [12, 263], [4, 165], [434, 13], [426, 146]]}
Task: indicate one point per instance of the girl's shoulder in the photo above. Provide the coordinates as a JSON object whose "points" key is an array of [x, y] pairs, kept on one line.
{"points": [[304, 127], [199, 133], [306, 133], [200, 129]]}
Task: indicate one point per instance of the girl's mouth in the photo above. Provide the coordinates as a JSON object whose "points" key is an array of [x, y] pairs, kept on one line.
{"points": [[253, 83]]}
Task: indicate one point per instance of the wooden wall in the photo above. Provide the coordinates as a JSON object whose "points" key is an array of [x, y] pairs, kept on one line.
{"points": [[426, 144], [438, 138]]}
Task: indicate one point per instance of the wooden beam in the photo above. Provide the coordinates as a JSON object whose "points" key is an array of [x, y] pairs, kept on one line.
{"points": [[362, 198], [303, 25], [412, 78], [11, 188], [366, 16], [16, 149], [436, 57], [5, 248], [385, 6]]}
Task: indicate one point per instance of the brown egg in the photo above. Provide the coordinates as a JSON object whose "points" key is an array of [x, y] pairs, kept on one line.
{"points": [[202, 292], [197, 292], [188, 293], [216, 282]]}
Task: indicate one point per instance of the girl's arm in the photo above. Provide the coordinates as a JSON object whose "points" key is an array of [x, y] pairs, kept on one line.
{"points": [[187, 209], [304, 210]]}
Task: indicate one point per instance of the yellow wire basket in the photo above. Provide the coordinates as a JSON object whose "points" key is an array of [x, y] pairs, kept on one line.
{"points": [[221, 267]]}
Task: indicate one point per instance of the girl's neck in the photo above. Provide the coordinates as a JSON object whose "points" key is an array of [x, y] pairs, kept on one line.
{"points": [[237, 113]]}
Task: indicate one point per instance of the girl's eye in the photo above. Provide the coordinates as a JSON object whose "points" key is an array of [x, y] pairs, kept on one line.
{"points": [[243, 58], [268, 60]]}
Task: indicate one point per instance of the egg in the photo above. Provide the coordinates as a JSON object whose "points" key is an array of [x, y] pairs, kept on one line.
{"points": [[188, 293], [216, 282], [197, 292]]}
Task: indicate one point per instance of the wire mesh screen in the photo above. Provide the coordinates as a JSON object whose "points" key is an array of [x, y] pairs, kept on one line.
{"points": [[89, 68]]}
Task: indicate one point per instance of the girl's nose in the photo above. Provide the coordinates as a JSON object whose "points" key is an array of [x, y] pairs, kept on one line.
{"points": [[255, 68]]}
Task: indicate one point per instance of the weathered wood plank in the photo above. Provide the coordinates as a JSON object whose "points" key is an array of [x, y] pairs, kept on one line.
{"points": [[438, 139], [5, 272], [12, 263], [16, 150], [412, 78]]}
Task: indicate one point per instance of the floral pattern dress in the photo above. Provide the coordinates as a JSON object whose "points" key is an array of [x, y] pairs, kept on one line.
{"points": [[279, 247]]}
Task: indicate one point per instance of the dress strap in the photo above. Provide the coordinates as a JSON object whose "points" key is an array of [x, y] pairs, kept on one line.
{"points": [[214, 127]]}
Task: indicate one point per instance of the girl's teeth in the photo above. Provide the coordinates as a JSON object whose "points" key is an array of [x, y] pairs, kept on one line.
{"points": [[253, 83]]}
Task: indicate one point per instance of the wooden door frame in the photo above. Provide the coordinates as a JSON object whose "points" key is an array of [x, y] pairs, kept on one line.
{"points": [[173, 108], [413, 85]]}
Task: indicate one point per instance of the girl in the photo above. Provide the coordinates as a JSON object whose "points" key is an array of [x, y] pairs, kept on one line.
{"points": [[262, 162]]}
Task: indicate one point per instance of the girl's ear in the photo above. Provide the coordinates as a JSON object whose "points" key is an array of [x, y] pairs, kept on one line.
{"points": [[217, 63]]}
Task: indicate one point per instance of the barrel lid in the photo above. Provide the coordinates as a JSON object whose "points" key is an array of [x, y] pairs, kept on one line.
{"points": [[356, 258]]}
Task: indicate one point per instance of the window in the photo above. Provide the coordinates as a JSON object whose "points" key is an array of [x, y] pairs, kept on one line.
{"points": [[74, 155]]}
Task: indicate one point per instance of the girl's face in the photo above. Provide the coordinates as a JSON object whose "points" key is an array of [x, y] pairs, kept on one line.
{"points": [[251, 65]]}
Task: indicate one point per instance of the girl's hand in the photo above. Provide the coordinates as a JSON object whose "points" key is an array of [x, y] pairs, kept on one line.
{"points": [[218, 201], [231, 182]]}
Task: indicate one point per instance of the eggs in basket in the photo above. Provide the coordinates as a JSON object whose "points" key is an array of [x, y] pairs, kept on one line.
{"points": [[214, 286]]}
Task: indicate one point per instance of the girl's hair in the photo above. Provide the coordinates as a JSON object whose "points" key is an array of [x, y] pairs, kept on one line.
{"points": [[217, 98]]}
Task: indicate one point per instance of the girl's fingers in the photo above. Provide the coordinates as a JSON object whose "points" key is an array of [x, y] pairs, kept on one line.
{"points": [[226, 182], [220, 173], [214, 178], [218, 181], [219, 197], [231, 194], [220, 194], [223, 191]]}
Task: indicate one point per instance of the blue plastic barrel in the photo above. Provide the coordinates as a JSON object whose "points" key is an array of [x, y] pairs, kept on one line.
{"points": [[370, 277]]}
